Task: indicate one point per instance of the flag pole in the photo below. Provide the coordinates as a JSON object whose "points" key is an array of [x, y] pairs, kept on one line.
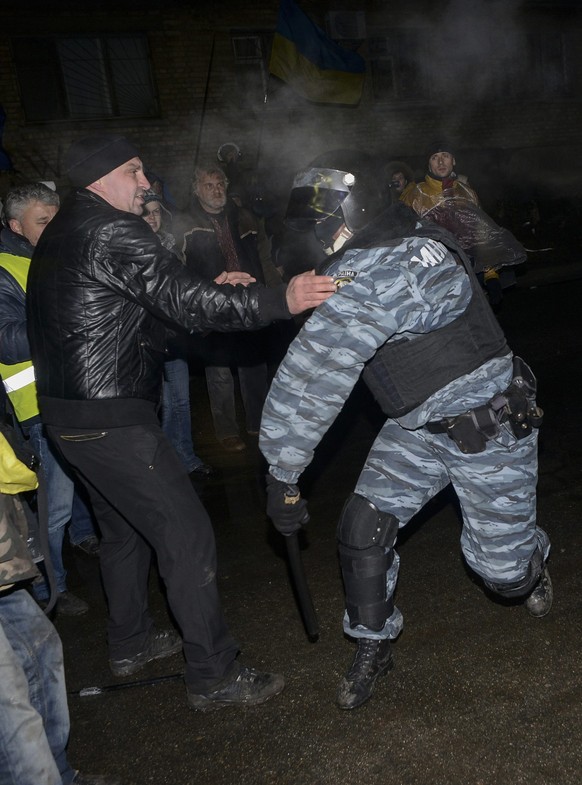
{"points": [[205, 101], [265, 81]]}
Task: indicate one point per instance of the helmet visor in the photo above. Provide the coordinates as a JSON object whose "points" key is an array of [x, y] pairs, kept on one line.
{"points": [[317, 194]]}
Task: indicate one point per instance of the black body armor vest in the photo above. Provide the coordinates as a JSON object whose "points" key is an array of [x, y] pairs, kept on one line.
{"points": [[405, 372]]}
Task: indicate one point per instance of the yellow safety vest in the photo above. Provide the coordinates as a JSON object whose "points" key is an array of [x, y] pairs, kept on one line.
{"points": [[18, 379], [15, 477]]}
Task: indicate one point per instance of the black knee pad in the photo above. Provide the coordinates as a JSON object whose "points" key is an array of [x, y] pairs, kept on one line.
{"points": [[364, 574], [366, 537], [523, 587], [362, 525]]}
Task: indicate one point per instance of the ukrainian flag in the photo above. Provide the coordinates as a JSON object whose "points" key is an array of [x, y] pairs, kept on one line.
{"points": [[311, 63]]}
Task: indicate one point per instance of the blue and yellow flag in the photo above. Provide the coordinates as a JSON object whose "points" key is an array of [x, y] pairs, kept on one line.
{"points": [[311, 63]]}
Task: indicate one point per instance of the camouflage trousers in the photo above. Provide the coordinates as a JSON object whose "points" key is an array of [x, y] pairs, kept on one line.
{"points": [[496, 490]]}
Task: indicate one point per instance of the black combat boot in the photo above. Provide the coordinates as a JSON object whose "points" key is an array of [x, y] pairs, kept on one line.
{"points": [[373, 659], [539, 602]]}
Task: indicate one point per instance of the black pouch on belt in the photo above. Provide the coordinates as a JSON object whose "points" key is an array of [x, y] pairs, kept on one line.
{"points": [[466, 436], [470, 431]]}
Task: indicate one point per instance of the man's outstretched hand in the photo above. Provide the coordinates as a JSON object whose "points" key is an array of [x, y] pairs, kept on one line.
{"points": [[308, 291]]}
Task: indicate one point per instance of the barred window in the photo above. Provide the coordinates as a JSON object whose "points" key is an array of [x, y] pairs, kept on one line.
{"points": [[398, 66], [409, 65], [249, 48], [85, 77]]}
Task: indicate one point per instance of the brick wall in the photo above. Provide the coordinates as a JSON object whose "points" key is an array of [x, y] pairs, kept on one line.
{"points": [[206, 100]]}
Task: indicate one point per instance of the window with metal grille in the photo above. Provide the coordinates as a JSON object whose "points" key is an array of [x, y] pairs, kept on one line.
{"points": [[507, 66], [398, 65], [409, 65], [85, 77], [247, 48]]}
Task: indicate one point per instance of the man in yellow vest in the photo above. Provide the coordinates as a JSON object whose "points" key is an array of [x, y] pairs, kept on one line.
{"points": [[27, 211]]}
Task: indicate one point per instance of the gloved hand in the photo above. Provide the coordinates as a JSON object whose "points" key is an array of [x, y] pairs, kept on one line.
{"points": [[285, 507], [493, 287]]}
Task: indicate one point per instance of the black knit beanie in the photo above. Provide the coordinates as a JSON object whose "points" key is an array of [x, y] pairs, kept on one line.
{"points": [[440, 146], [87, 160]]}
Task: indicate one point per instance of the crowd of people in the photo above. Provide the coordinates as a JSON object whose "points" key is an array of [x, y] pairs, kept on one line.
{"points": [[106, 293]]}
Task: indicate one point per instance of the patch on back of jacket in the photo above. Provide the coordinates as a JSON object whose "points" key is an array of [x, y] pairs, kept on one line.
{"points": [[431, 254]]}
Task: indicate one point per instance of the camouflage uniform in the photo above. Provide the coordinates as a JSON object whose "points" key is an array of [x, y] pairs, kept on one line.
{"points": [[34, 716], [385, 294]]}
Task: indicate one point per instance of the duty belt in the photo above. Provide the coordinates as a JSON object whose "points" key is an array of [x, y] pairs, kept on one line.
{"points": [[517, 406]]}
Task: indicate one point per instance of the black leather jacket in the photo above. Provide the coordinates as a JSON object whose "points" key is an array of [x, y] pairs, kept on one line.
{"points": [[101, 291], [14, 346]]}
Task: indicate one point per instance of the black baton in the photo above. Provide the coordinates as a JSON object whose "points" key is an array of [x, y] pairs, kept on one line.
{"points": [[302, 589], [90, 691]]}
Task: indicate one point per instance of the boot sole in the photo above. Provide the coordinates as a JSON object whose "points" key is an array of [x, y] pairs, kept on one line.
{"points": [[200, 703]]}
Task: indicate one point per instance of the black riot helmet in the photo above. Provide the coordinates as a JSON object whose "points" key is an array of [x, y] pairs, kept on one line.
{"points": [[336, 188]]}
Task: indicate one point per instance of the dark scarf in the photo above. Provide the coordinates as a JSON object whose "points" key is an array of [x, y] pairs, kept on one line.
{"points": [[225, 241]]}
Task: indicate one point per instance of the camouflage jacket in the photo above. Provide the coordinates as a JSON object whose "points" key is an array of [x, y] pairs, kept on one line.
{"points": [[384, 293], [15, 562]]}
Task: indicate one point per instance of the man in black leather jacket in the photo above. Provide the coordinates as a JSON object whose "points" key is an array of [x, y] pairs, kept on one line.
{"points": [[101, 288]]}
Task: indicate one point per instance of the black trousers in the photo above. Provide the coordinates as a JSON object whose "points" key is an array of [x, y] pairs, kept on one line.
{"points": [[143, 499]]}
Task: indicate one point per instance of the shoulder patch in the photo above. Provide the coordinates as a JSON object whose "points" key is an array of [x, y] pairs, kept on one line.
{"points": [[344, 277]]}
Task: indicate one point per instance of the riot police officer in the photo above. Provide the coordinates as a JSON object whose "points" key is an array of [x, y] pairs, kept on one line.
{"points": [[410, 315]]}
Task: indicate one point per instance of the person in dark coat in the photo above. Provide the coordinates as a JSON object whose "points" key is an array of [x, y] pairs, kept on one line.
{"points": [[102, 292], [222, 240]]}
